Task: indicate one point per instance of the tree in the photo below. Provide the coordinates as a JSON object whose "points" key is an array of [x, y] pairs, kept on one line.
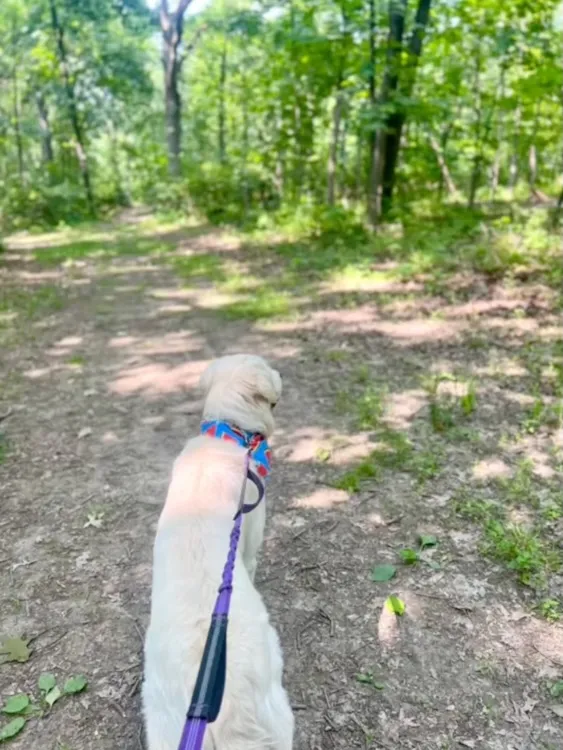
{"points": [[172, 25]]}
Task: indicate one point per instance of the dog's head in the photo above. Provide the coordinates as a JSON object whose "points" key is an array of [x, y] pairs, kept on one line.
{"points": [[242, 389]]}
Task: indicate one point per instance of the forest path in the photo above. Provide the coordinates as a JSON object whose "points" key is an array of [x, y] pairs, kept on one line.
{"points": [[103, 342]]}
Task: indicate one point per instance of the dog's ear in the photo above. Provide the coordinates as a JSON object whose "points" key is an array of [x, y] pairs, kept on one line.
{"points": [[207, 377], [266, 384]]}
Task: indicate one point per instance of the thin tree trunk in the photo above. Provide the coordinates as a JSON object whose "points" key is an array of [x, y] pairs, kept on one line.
{"points": [[221, 113], [372, 89], [389, 87], [333, 149], [513, 171], [172, 26], [72, 108], [45, 128], [444, 171], [477, 158], [398, 117], [17, 128]]}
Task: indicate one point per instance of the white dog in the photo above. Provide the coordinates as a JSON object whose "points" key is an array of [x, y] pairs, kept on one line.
{"points": [[190, 550]]}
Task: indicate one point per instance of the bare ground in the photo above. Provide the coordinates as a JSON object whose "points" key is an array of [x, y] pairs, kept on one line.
{"points": [[102, 397]]}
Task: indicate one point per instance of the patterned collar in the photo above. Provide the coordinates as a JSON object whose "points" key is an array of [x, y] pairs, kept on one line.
{"points": [[256, 442]]}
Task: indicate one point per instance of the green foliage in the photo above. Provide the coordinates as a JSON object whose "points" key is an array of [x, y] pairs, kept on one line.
{"points": [[522, 551]]}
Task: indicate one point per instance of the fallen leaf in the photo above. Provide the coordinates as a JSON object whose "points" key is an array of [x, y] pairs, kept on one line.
{"points": [[556, 690], [95, 520], [46, 682], [558, 711], [53, 696], [14, 649], [84, 432], [75, 684], [427, 540], [395, 605], [383, 573], [16, 704], [12, 728]]}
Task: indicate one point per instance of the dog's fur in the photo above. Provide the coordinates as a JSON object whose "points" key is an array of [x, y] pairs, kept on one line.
{"points": [[190, 550]]}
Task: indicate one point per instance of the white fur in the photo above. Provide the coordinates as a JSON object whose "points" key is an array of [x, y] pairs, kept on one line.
{"points": [[190, 550]]}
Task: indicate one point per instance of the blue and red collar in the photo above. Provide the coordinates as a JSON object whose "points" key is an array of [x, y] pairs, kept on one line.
{"points": [[254, 441]]}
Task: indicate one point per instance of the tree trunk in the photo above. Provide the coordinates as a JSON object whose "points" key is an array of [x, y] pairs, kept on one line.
{"points": [[333, 149], [172, 26], [398, 117], [388, 90], [221, 113], [45, 128], [444, 171], [72, 108], [17, 128], [372, 89]]}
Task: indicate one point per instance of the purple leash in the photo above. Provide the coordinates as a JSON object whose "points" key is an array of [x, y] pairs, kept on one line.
{"points": [[210, 683]]}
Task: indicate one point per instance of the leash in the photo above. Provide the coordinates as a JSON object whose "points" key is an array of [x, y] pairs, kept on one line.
{"points": [[210, 683]]}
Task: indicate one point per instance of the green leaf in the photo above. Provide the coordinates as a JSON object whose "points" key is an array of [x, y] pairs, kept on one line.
{"points": [[366, 678], [383, 573], [556, 690], [53, 696], [427, 540], [14, 649], [409, 556], [46, 682], [395, 605], [16, 704], [12, 728], [75, 684]]}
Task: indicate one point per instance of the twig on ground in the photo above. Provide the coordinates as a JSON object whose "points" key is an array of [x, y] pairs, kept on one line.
{"points": [[545, 656], [323, 613], [6, 414]]}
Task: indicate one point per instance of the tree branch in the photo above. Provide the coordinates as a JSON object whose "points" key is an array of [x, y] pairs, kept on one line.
{"points": [[182, 7]]}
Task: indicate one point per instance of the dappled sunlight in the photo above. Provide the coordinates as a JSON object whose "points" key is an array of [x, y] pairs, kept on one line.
{"points": [[177, 309], [171, 293], [35, 373], [490, 468], [157, 379], [401, 408], [39, 276], [322, 498], [501, 367]]}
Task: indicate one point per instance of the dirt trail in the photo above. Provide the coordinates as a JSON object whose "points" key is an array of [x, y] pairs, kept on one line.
{"points": [[102, 399]]}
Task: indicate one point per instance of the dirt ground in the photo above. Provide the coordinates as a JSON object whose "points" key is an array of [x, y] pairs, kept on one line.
{"points": [[101, 394]]}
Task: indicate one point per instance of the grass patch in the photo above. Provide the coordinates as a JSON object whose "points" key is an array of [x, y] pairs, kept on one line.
{"points": [[524, 550], [123, 246], [30, 303], [263, 304], [396, 453], [448, 406], [200, 266]]}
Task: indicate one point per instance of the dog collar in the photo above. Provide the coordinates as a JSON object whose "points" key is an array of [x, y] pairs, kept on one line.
{"points": [[253, 441]]}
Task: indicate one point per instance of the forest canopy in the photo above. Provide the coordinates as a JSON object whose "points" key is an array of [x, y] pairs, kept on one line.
{"points": [[235, 108]]}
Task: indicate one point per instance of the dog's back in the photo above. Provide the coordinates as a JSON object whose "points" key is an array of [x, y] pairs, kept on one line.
{"points": [[189, 554]]}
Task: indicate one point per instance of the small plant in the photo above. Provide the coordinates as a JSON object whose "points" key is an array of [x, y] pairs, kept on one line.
{"points": [[23, 708], [550, 609], [522, 551], [369, 408], [367, 678], [351, 481], [445, 407], [468, 401], [519, 489], [409, 556]]}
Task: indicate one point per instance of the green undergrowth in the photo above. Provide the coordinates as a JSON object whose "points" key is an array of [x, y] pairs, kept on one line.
{"points": [[30, 303], [395, 452]]}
